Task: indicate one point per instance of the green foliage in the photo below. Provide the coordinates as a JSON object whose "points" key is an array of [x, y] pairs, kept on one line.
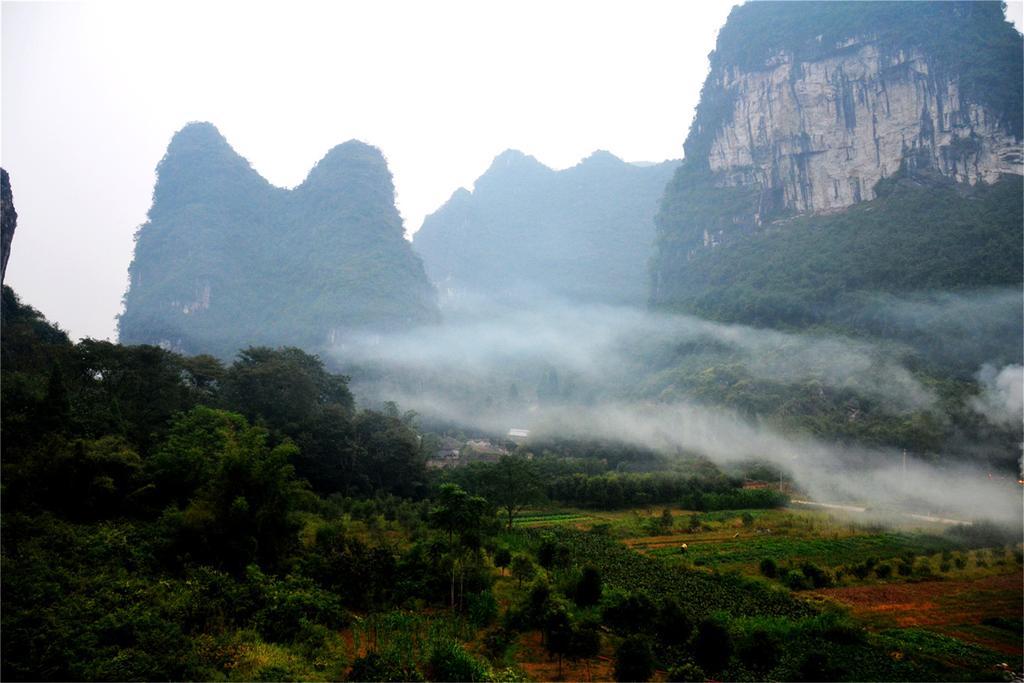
{"points": [[449, 661], [802, 272], [698, 593], [523, 568], [712, 645], [210, 274], [588, 588], [634, 659], [376, 667]]}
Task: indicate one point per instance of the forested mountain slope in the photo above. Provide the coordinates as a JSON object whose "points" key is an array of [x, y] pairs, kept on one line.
{"points": [[227, 260]]}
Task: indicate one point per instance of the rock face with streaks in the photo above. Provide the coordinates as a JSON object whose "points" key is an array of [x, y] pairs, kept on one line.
{"points": [[818, 136], [809, 108], [8, 221]]}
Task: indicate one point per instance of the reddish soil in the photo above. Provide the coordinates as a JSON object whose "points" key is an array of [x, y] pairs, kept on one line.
{"points": [[534, 659], [940, 606]]}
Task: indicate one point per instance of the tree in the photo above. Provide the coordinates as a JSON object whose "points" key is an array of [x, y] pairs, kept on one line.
{"points": [[502, 558], [523, 568], [511, 484], [634, 659], [240, 493], [712, 646], [588, 589], [456, 510], [283, 387]]}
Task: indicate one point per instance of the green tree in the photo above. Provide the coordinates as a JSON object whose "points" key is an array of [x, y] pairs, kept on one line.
{"points": [[634, 659], [523, 568], [512, 483]]}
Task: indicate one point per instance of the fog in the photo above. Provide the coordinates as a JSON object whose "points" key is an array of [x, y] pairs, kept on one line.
{"points": [[605, 372], [1002, 394]]}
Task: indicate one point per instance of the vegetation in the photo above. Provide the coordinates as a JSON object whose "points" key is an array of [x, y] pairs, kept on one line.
{"points": [[210, 274]]}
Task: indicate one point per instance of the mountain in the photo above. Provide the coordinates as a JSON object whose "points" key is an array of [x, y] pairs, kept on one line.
{"points": [[841, 147], [227, 260], [8, 221], [585, 233]]}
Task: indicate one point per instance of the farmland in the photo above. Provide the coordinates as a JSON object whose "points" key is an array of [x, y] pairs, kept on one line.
{"points": [[920, 592]]}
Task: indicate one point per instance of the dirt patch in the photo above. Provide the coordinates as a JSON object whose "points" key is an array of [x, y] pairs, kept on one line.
{"points": [[942, 606], [533, 658]]}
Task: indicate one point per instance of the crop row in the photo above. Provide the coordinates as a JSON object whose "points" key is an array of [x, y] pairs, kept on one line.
{"points": [[698, 592]]}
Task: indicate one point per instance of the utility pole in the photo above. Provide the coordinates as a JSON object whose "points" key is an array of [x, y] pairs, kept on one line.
{"points": [[904, 465]]}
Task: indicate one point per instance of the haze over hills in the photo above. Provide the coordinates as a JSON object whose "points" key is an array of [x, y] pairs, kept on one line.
{"points": [[585, 233], [227, 260]]}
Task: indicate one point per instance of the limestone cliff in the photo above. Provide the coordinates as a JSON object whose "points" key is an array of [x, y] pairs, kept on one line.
{"points": [[8, 221], [811, 104], [818, 136]]}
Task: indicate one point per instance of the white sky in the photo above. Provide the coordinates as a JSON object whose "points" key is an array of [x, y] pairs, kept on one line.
{"points": [[92, 92]]}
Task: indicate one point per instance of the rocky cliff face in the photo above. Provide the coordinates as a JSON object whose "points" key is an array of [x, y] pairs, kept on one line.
{"points": [[812, 107], [809, 105], [8, 221], [227, 260], [818, 136]]}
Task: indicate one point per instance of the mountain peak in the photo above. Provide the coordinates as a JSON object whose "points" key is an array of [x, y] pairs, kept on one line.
{"points": [[341, 159], [196, 135], [601, 157], [513, 158]]}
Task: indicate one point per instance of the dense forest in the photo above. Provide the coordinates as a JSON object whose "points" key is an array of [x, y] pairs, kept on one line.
{"points": [[173, 517]]}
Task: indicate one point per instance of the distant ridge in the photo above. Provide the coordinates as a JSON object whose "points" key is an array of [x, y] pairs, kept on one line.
{"points": [[584, 233]]}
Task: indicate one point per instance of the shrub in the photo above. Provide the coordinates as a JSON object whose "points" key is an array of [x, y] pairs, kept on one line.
{"points": [[634, 659], [687, 672], [769, 568], [588, 589], [630, 613], [450, 662], [377, 667], [712, 646], [483, 608], [883, 571], [502, 558]]}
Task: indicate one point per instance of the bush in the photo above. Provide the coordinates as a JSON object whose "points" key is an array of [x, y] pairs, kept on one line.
{"points": [[687, 672], [376, 667], [483, 608], [712, 646], [450, 662], [630, 613], [818, 577], [588, 589], [883, 571], [759, 649], [634, 659], [795, 580], [769, 568]]}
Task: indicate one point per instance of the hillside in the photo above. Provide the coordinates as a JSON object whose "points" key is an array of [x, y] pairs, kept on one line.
{"points": [[227, 260], [913, 105], [584, 233]]}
